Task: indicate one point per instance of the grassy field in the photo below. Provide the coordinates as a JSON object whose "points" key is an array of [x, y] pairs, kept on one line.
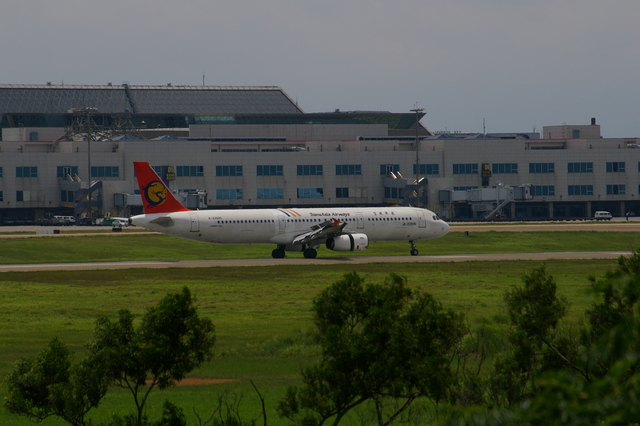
{"points": [[108, 247], [262, 314]]}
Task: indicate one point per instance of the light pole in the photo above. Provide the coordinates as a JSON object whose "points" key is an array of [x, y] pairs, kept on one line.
{"points": [[89, 126], [417, 111]]}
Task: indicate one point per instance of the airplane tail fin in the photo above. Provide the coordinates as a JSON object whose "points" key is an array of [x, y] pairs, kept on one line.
{"points": [[156, 197]]}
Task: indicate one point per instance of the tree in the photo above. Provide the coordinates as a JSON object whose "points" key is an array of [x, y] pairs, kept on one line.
{"points": [[378, 342], [52, 384], [534, 311], [535, 308], [171, 340], [616, 298], [565, 396], [600, 384]]}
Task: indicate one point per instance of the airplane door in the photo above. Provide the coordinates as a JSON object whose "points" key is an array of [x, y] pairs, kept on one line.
{"points": [[422, 222], [359, 221], [282, 224], [195, 224]]}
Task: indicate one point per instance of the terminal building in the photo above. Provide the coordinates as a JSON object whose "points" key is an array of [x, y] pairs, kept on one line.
{"points": [[69, 150]]}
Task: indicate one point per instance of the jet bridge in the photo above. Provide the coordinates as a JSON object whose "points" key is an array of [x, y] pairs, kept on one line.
{"points": [[402, 191], [488, 200]]}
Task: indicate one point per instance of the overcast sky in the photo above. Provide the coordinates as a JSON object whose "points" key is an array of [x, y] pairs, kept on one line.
{"points": [[515, 64]]}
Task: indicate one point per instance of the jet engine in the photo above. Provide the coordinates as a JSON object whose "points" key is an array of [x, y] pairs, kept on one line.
{"points": [[348, 242]]}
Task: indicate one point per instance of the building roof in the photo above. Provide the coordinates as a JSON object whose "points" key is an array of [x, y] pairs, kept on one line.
{"points": [[146, 107], [110, 99]]}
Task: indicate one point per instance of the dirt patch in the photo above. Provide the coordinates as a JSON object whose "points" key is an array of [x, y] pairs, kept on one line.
{"points": [[195, 381], [192, 381]]}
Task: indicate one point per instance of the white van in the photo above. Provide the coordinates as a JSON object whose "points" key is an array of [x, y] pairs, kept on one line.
{"points": [[602, 215], [64, 220]]}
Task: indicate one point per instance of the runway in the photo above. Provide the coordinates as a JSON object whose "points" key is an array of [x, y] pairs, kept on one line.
{"points": [[359, 260]]}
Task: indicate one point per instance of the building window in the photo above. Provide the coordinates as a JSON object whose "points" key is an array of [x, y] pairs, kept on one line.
{"points": [[105, 171], [269, 170], [354, 192], [66, 171], [504, 167], [541, 167], [427, 169], [19, 195], [310, 192], [342, 192], [616, 189], [386, 169], [67, 196], [26, 172], [464, 188], [229, 194], [228, 170], [392, 192], [580, 167], [543, 190], [465, 169], [580, 190], [1, 170], [348, 169], [575, 133], [1, 195], [310, 170], [269, 193], [615, 167], [195, 171]]}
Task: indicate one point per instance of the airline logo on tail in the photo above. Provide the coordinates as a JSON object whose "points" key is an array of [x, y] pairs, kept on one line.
{"points": [[155, 193], [156, 197]]}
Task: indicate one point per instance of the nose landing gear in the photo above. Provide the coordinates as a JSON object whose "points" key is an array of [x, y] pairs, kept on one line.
{"points": [[414, 250]]}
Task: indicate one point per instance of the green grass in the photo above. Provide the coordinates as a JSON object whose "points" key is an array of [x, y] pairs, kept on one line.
{"points": [[113, 248], [256, 310], [262, 314]]}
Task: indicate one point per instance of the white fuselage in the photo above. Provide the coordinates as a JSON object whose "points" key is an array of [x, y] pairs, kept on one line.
{"points": [[281, 226]]}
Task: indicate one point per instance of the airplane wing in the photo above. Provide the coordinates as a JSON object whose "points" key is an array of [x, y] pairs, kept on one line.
{"points": [[320, 231]]}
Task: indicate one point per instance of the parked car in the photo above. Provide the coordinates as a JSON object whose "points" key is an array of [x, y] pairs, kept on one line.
{"points": [[119, 223]]}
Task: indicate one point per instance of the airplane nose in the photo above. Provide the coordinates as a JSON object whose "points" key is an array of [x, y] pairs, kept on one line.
{"points": [[445, 228]]}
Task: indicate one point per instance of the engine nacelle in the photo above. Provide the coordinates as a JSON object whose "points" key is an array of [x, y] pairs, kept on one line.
{"points": [[348, 242]]}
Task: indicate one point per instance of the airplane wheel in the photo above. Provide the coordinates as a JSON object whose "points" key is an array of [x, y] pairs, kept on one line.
{"points": [[277, 254], [414, 252], [310, 253]]}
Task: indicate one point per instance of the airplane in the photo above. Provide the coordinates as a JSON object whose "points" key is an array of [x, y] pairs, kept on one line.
{"points": [[290, 229]]}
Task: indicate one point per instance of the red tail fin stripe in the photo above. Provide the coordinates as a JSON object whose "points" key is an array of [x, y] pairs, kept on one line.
{"points": [[156, 197]]}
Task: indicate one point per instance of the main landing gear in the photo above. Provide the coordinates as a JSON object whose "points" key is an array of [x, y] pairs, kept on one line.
{"points": [[414, 250], [308, 252], [278, 253]]}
